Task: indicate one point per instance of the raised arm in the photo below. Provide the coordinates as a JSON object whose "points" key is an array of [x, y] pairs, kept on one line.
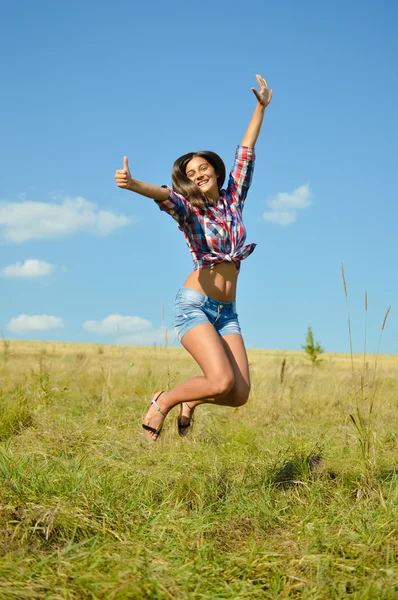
{"points": [[124, 180], [264, 97]]}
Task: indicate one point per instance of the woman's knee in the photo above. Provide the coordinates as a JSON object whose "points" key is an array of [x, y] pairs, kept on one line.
{"points": [[222, 384], [240, 400], [240, 396]]}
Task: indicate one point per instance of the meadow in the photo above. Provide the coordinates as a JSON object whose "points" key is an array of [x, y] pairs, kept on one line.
{"points": [[294, 495]]}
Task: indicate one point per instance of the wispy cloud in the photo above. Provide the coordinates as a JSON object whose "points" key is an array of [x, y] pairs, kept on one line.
{"points": [[127, 329], [29, 269], [146, 338], [284, 206], [118, 324], [25, 323], [26, 221]]}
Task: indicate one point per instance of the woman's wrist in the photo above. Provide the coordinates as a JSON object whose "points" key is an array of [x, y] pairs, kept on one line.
{"points": [[132, 186]]}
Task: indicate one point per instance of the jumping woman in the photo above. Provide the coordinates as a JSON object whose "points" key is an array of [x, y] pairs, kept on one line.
{"points": [[204, 313]]}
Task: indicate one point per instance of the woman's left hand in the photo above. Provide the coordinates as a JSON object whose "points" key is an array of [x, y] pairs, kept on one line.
{"points": [[264, 96]]}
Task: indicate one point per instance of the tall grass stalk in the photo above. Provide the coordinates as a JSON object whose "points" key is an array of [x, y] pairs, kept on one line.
{"points": [[375, 366], [164, 329], [378, 345], [363, 421], [349, 317], [366, 330], [6, 348], [361, 418]]}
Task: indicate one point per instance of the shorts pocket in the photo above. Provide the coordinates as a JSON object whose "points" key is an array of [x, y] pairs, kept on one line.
{"points": [[182, 313], [187, 301], [187, 315]]}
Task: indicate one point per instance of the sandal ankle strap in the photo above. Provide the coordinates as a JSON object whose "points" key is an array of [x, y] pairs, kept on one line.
{"points": [[157, 405]]}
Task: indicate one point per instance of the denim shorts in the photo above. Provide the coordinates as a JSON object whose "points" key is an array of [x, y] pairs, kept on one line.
{"points": [[192, 308]]}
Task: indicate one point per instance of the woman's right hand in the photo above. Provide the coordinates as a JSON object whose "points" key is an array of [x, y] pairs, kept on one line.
{"points": [[123, 177]]}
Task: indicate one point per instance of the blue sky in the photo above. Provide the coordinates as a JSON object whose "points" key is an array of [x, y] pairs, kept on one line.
{"points": [[85, 83]]}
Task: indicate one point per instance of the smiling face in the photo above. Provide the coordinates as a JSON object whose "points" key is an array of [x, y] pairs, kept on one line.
{"points": [[200, 171]]}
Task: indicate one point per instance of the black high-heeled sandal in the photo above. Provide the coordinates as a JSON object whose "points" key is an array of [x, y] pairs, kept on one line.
{"points": [[148, 427], [183, 428]]}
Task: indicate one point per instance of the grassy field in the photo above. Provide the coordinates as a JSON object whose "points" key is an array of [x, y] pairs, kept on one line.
{"points": [[287, 497]]}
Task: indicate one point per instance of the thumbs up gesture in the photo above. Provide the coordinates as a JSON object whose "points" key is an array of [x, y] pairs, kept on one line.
{"points": [[122, 176]]}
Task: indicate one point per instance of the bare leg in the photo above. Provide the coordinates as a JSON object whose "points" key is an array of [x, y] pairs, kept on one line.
{"points": [[206, 347], [238, 395], [225, 379]]}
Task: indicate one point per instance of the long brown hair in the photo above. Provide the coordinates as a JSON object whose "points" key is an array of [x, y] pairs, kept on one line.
{"points": [[187, 188]]}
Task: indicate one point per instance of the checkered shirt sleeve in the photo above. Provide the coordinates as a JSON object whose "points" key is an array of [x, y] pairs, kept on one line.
{"points": [[241, 175], [177, 207]]}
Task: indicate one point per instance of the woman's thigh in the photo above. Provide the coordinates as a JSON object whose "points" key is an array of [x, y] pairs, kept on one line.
{"points": [[236, 352], [212, 355]]}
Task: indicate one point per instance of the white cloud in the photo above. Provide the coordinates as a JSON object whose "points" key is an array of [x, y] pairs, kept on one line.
{"points": [[25, 221], [147, 338], [282, 217], [118, 324], [284, 205], [129, 330], [34, 323], [29, 269], [299, 198]]}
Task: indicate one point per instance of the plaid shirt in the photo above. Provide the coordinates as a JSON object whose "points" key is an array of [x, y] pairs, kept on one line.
{"points": [[216, 233]]}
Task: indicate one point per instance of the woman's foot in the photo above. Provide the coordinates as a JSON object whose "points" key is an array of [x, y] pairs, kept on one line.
{"points": [[185, 418], [154, 418]]}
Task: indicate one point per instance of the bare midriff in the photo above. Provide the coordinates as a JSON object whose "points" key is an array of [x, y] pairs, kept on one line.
{"points": [[218, 281]]}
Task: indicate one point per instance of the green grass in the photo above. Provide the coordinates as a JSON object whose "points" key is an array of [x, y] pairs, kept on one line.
{"points": [[242, 508]]}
